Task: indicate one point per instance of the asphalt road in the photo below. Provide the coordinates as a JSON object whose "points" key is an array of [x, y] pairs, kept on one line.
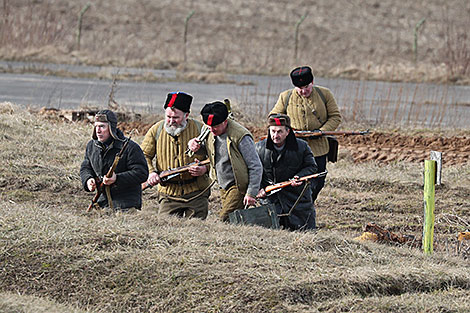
{"points": [[374, 101]]}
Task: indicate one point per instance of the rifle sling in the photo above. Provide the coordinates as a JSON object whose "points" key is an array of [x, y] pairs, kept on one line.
{"points": [[107, 188], [298, 199]]}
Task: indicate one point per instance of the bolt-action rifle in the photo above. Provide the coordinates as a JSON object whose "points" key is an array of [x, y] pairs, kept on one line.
{"points": [[100, 186], [320, 133], [278, 186], [173, 172]]}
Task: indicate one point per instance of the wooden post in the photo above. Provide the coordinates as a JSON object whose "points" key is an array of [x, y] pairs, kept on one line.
{"points": [[296, 36], [415, 42], [185, 34], [79, 27], [428, 227]]}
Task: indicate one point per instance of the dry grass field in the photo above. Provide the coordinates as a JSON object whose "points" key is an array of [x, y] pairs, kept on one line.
{"points": [[55, 257], [356, 39]]}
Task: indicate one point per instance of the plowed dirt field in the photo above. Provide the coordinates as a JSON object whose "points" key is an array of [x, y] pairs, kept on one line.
{"points": [[384, 147]]}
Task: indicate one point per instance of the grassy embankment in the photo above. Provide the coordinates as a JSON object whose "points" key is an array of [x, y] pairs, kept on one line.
{"points": [[56, 258]]}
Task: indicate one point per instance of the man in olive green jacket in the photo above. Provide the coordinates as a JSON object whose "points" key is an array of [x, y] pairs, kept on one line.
{"points": [[310, 108], [234, 161]]}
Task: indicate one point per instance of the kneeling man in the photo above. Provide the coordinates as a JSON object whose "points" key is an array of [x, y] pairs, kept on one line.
{"points": [[285, 157]]}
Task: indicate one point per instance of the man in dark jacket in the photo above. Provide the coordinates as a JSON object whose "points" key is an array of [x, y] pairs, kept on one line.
{"points": [[130, 173], [285, 157]]}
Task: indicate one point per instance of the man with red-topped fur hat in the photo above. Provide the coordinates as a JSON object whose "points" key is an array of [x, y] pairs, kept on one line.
{"points": [[234, 161], [310, 107], [286, 157], [187, 194]]}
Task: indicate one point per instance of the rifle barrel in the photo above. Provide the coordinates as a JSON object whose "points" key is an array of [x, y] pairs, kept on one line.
{"points": [[287, 183]]}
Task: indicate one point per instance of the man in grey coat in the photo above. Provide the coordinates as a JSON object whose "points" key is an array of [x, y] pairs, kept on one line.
{"points": [[285, 157]]}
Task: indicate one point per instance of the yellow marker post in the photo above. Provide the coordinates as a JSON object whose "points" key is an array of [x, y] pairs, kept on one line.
{"points": [[429, 190]]}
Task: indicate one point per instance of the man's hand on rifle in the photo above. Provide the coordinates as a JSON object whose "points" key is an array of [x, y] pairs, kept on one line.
{"points": [[91, 184], [295, 181], [109, 181], [153, 179], [196, 169], [261, 194], [194, 145]]}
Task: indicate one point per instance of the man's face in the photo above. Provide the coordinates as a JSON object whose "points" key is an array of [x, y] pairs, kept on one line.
{"points": [[219, 129], [175, 117], [102, 131], [278, 134], [305, 91]]}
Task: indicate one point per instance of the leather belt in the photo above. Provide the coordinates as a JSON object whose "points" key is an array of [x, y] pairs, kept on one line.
{"points": [[182, 182]]}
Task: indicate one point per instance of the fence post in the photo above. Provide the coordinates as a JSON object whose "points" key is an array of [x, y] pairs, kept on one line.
{"points": [[185, 34], [415, 41], [297, 35], [428, 227], [79, 26]]}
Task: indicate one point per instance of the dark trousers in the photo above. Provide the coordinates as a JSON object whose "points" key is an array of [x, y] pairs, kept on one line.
{"points": [[318, 183]]}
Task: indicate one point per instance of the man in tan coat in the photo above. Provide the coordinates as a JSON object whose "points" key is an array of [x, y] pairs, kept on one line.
{"points": [[187, 194], [310, 108]]}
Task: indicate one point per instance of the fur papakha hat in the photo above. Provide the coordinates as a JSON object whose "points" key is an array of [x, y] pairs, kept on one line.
{"points": [[301, 76], [214, 113], [179, 100]]}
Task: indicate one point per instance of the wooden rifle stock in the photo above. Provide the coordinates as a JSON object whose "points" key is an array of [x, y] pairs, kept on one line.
{"points": [[99, 183], [283, 184], [172, 172]]}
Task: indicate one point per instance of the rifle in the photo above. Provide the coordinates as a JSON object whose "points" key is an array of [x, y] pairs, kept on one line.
{"points": [[312, 134], [173, 172], [229, 108], [99, 183], [202, 136], [205, 131], [278, 186], [316, 134]]}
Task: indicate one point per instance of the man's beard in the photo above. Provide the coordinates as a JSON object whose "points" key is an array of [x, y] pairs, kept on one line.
{"points": [[176, 129]]}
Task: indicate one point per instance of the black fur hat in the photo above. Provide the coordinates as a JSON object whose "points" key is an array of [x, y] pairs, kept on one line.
{"points": [[214, 113], [179, 100], [301, 76]]}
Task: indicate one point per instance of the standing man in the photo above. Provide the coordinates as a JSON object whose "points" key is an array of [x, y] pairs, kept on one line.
{"points": [[285, 157], [310, 108], [130, 173], [234, 161], [186, 195]]}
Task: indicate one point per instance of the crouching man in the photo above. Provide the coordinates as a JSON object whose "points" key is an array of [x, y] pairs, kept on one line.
{"points": [[131, 171], [285, 157], [234, 162]]}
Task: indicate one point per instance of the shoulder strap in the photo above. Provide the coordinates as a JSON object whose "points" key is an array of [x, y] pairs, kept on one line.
{"points": [[287, 100], [320, 93], [159, 130]]}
